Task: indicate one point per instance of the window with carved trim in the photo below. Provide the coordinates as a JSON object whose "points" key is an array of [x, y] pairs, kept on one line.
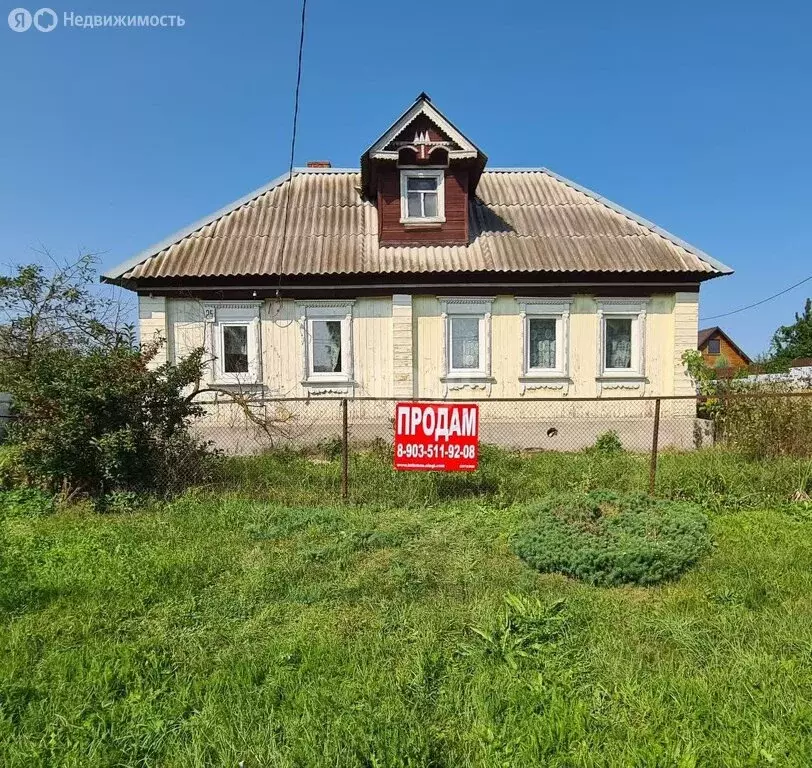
{"points": [[327, 342], [621, 338], [467, 337], [233, 338], [545, 335]]}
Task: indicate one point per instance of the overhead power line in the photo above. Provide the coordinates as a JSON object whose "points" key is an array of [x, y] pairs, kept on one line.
{"points": [[289, 184], [757, 303]]}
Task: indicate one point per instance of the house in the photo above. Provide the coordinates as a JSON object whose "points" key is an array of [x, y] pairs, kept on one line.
{"points": [[719, 350], [426, 274]]}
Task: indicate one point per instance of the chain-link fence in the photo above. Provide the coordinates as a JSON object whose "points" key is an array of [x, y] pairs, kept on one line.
{"points": [[323, 449], [337, 433]]}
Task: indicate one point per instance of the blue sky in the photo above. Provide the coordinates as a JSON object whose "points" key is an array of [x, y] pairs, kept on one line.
{"points": [[695, 115]]}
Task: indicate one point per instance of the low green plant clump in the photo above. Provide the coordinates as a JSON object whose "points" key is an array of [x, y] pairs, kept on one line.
{"points": [[608, 443], [610, 539]]}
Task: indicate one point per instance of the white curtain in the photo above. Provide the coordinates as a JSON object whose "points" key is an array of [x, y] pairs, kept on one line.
{"points": [[542, 343], [618, 343], [327, 346], [465, 342]]}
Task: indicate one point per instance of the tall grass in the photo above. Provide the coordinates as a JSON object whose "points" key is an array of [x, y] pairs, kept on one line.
{"points": [[719, 479]]}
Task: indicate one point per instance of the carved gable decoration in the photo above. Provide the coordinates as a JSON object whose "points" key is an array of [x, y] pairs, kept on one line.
{"points": [[422, 135], [422, 141], [423, 124]]}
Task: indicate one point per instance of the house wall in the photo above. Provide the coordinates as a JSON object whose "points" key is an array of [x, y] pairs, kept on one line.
{"points": [[726, 351], [281, 344], [453, 230], [398, 347], [671, 328], [152, 324]]}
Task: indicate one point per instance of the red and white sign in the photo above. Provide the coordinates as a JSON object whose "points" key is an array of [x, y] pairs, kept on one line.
{"points": [[437, 436]]}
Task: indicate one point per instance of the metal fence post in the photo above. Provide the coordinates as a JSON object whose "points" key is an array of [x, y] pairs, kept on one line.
{"points": [[345, 451], [652, 478]]}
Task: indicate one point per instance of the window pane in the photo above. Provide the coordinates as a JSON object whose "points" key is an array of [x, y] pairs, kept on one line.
{"points": [[326, 346], [430, 204], [416, 183], [235, 349], [464, 342], [618, 342], [542, 343], [414, 205], [714, 346]]}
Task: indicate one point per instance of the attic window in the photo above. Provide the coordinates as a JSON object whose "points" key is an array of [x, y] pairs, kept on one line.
{"points": [[714, 347], [422, 199]]}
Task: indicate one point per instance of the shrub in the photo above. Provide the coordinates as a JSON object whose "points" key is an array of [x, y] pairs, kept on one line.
{"points": [[778, 424], [608, 443], [12, 472], [91, 414], [610, 539], [100, 421], [331, 448]]}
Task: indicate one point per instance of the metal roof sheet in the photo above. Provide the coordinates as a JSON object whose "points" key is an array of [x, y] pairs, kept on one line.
{"points": [[522, 220]]}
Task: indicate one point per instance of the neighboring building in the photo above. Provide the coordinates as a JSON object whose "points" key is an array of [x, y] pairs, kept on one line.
{"points": [[424, 274], [720, 351]]}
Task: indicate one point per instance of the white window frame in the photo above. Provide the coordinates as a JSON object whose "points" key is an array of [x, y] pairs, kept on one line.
{"points": [[340, 311], [422, 173], [479, 308], [546, 309], [626, 309], [216, 317]]}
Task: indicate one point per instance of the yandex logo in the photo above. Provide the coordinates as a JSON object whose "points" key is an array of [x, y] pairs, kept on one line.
{"points": [[437, 436]]}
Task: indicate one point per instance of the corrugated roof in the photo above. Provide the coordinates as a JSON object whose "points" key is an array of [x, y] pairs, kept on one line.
{"points": [[521, 221], [705, 333]]}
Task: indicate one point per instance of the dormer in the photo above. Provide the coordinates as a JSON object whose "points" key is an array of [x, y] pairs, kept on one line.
{"points": [[421, 173]]}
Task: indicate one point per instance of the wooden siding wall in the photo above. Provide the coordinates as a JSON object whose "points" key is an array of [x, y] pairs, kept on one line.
{"points": [[385, 367], [152, 325], [453, 231], [281, 344], [666, 331]]}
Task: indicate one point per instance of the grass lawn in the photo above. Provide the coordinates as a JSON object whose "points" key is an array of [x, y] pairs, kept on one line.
{"points": [[292, 632]]}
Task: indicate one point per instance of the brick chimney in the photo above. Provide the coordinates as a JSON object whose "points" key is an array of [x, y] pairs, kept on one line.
{"points": [[318, 164]]}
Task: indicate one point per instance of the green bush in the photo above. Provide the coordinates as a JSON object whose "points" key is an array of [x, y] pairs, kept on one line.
{"points": [[777, 424], [12, 472], [91, 413], [610, 539], [608, 443], [99, 421]]}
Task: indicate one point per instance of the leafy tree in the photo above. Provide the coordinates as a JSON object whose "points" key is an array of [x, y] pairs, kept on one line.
{"points": [[92, 414], [42, 309], [795, 340]]}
